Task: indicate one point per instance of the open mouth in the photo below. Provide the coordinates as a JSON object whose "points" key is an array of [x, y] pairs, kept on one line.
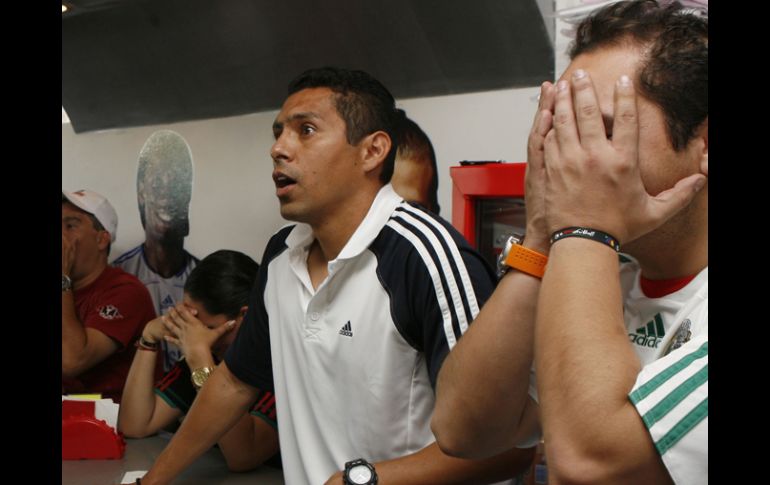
{"points": [[282, 181]]}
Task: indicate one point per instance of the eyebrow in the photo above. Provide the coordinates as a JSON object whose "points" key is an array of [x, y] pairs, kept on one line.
{"points": [[71, 219], [278, 125]]}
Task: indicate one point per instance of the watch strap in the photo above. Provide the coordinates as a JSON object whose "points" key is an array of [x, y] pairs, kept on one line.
{"points": [[526, 260]]}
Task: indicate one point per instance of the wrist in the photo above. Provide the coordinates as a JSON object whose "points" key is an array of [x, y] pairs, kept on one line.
{"points": [[537, 242], [142, 344], [516, 254], [589, 233], [149, 339], [197, 358]]}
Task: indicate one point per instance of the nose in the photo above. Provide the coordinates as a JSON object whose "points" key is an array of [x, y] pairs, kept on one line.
{"points": [[279, 151]]}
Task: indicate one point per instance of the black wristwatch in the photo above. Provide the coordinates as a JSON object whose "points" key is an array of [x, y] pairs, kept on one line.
{"points": [[359, 472]]}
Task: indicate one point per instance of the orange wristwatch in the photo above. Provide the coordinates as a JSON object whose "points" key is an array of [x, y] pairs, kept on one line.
{"points": [[516, 256]]}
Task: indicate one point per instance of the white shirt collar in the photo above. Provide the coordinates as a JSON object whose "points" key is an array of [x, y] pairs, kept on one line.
{"points": [[379, 212]]}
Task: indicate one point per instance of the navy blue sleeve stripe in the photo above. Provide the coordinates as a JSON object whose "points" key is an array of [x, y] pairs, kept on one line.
{"points": [[431, 252], [470, 302], [450, 244], [449, 260], [443, 264]]}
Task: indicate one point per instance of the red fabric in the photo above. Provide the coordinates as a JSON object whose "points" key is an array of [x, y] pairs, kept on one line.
{"points": [[661, 288], [118, 305]]}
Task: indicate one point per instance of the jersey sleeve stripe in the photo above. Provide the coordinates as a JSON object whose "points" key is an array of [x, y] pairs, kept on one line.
{"points": [[445, 265], [673, 398], [662, 377], [434, 274], [468, 292], [167, 399], [692, 419]]}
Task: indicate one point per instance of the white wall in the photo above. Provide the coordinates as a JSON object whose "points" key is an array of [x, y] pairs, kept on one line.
{"points": [[234, 204]]}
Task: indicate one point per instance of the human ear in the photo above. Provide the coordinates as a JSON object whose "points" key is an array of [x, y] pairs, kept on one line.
{"points": [[375, 147]]}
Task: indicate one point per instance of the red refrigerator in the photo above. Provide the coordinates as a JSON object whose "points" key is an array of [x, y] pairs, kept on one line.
{"points": [[488, 204]]}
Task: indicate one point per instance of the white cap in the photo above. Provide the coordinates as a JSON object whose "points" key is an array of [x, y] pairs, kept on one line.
{"points": [[96, 205]]}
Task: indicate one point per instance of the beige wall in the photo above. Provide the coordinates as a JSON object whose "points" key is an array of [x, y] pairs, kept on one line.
{"points": [[233, 204]]}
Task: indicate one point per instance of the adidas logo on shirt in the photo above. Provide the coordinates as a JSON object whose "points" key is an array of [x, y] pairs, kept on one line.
{"points": [[651, 334], [346, 330], [167, 302]]}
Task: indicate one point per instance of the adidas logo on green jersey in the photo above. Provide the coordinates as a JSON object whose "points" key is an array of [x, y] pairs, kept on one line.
{"points": [[651, 334]]}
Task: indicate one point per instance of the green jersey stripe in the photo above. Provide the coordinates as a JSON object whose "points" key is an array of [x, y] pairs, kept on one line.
{"points": [[666, 374], [676, 396], [659, 325], [698, 414]]}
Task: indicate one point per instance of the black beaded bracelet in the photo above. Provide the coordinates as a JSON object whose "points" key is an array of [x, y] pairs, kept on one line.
{"points": [[587, 233]]}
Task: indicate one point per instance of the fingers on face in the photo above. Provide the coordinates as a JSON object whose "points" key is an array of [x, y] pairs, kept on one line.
{"points": [[564, 116], [544, 116], [625, 127], [587, 112]]}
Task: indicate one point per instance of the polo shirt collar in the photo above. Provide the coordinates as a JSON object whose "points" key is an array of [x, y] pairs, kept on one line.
{"points": [[379, 212]]}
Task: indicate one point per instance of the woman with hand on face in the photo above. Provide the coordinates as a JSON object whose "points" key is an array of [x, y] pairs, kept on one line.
{"points": [[203, 326]]}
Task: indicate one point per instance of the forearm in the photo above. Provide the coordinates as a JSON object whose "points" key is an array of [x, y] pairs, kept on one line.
{"points": [[222, 401], [482, 387], [430, 465], [248, 444], [137, 407], [585, 364], [74, 338]]}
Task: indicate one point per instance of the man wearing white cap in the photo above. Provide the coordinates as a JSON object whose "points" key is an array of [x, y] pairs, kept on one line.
{"points": [[104, 309]]}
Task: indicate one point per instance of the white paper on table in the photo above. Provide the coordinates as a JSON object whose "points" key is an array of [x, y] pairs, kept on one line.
{"points": [[130, 477], [104, 409]]}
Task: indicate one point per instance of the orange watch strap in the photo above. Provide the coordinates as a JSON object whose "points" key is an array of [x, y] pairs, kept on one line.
{"points": [[526, 260]]}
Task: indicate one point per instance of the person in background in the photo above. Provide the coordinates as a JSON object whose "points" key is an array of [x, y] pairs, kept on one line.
{"points": [[203, 326], [415, 175], [103, 309], [354, 309], [163, 189], [618, 162]]}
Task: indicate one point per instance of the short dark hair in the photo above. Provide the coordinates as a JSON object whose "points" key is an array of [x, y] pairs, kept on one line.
{"points": [[222, 281], [415, 144], [674, 70], [362, 101]]}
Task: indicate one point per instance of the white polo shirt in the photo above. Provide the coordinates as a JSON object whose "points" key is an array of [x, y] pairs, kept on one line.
{"points": [[353, 363]]}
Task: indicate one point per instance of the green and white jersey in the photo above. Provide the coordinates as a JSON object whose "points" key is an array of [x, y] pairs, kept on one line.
{"points": [[656, 326], [671, 395], [670, 336]]}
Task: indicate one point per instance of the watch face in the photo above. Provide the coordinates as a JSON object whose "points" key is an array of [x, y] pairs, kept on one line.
{"points": [[360, 474], [199, 376]]}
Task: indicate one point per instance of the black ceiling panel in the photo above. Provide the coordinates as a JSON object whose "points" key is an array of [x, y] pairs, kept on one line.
{"points": [[138, 62]]}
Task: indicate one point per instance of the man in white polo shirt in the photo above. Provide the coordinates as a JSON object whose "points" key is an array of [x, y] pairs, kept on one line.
{"points": [[354, 309]]}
